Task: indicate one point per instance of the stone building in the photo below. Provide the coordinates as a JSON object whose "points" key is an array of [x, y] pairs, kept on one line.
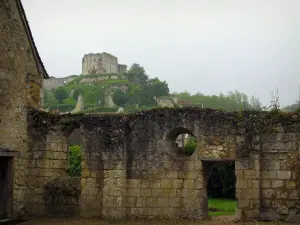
{"points": [[101, 63], [21, 78], [131, 165]]}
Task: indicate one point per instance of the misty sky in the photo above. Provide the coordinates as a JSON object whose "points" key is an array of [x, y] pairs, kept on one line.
{"points": [[210, 46]]}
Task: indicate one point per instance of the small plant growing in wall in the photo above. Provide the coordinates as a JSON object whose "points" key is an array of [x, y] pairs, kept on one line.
{"points": [[190, 146], [74, 161]]}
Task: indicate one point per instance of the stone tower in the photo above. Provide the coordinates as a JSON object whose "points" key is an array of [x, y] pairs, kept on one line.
{"points": [[101, 63]]}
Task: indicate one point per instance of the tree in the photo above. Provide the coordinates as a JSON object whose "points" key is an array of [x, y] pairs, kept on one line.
{"points": [[157, 88], [136, 74], [255, 103], [61, 94], [120, 98]]}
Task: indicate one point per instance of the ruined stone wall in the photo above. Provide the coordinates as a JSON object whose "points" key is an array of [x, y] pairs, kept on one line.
{"points": [[101, 63], [20, 85], [132, 168], [54, 82]]}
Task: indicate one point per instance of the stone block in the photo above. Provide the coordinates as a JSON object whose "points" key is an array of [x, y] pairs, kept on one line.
{"points": [[251, 214], [166, 183], [255, 183], [268, 174], [133, 183], [133, 192], [156, 192], [239, 174], [251, 174], [265, 203], [130, 202], [290, 184], [278, 146], [119, 201], [267, 193], [174, 202], [177, 183], [93, 191], [198, 165], [141, 202], [293, 195], [166, 192], [281, 194], [155, 184], [243, 203], [189, 165], [266, 183], [282, 210], [152, 202], [145, 184], [277, 183], [145, 192], [241, 183], [192, 174], [163, 202], [172, 174], [189, 183], [108, 201], [284, 175]]}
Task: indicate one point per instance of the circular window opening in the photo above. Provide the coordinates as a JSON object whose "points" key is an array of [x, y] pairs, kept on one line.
{"points": [[183, 140]]}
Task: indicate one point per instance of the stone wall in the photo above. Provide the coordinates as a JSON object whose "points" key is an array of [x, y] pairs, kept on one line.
{"points": [[55, 82], [131, 166], [20, 86], [100, 63]]}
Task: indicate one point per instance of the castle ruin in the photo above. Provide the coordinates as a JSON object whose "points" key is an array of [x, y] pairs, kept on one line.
{"points": [[101, 63]]}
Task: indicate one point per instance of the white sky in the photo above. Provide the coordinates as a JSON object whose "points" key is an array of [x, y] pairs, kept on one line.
{"points": [[210, 46]]}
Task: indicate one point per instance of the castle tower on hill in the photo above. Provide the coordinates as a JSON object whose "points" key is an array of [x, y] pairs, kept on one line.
{"points": [[101, 63]]}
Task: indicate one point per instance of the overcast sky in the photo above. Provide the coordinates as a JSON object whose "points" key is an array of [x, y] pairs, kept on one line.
{"points": [[210, 46]]}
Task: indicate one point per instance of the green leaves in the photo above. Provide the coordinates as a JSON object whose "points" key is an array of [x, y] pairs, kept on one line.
{"points": [[61, 94], [120, 98], [75, 160]]}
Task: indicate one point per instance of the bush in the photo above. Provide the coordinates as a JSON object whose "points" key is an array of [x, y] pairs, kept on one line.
{"points": [[63, 107], [190, 147], [74, 161]]}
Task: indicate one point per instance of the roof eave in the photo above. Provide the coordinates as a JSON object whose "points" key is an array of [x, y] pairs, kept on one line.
{"points": [[38, 60]]}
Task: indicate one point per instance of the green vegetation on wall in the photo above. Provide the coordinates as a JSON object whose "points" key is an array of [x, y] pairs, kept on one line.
{"points": [[74, 161]]}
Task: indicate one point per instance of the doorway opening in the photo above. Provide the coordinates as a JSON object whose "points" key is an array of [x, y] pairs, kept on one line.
{"points": [[6, 187], [220, 187]]}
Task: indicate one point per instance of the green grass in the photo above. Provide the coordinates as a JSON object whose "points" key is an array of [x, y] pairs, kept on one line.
{"points": [[222, 206]]}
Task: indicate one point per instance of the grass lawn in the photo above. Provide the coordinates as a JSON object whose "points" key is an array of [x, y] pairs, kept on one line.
{"points": [[221, 206]]}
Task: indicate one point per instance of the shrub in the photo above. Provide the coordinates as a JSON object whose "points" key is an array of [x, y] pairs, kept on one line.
{"points": [[190, 147], [74, 161]]}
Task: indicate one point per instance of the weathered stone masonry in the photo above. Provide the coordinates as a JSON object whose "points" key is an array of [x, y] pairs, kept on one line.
{"points": [[131, 167]]}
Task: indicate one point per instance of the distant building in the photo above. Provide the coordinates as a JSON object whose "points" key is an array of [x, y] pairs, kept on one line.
{"points": [[101, 63]]}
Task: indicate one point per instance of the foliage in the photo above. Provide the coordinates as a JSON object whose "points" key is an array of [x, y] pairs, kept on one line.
{"points": [[49, 99], [120, 98], [233, 101], [218, 207], [62, 107], [75, 160], [137, 74], [142, 92], [190, 146], [275, 101], [60, 94]]}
